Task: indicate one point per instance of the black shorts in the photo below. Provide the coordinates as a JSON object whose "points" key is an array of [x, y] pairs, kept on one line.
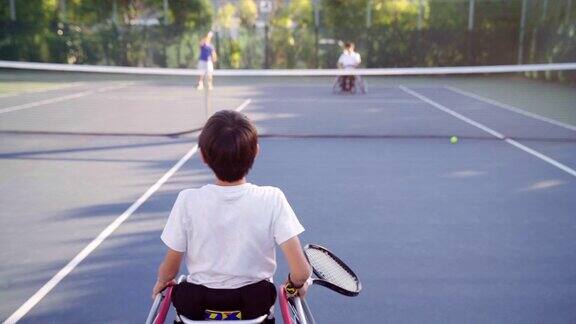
{"points": [[253, 300]]}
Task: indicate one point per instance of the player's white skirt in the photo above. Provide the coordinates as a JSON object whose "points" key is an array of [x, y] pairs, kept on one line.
{"points": [[206, 66]]}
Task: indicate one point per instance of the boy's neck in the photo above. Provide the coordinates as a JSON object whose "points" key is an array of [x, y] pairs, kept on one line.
{"points": [[229, 184]]}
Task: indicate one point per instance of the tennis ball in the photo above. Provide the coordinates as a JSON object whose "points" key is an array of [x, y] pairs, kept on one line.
{"points": [[453, 139]]}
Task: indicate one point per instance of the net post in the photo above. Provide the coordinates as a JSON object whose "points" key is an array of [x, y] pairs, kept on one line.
{"points": [[207, 102], [266, 60]]}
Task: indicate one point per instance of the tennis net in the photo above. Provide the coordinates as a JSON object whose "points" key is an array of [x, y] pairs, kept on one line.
{"points": [[470, 102]]}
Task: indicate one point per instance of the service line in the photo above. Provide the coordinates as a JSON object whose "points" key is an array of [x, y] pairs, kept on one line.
{"points": [[61, 98], [511, 108]]}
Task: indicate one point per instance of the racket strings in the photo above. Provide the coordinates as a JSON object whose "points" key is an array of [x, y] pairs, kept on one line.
{"points": [[328, 269]]}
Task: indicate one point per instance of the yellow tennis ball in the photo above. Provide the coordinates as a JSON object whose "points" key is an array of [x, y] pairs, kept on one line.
{"points": [[453, 139]]}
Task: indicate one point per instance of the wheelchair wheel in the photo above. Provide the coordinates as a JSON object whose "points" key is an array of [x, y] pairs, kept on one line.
{"points": [[345, 84], [353, 88], [294, 309], [336, 85], [350, 84]]}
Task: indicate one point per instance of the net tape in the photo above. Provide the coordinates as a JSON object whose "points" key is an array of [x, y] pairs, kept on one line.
{"points": [[289, 72]]}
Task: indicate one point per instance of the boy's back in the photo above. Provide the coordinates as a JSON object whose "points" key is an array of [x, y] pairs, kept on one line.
{"points": [[228, 233]]}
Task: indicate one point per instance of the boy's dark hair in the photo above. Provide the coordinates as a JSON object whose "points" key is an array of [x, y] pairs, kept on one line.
{"points": [[347, 45], [228, 143]]}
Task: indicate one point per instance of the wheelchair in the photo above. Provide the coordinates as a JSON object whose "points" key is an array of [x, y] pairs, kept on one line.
{"points": [[162, 303], [328, 270], [348, 84]]}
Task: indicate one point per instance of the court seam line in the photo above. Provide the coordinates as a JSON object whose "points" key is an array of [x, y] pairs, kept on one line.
{"points": [[39, 103], [88, 249], [489, 130], [511, 108]]}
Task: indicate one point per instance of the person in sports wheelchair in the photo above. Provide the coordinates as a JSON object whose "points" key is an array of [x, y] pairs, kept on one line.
{"points": [[349, 60], [226, 232]]}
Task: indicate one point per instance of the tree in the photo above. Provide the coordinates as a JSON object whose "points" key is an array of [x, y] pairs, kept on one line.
{"points": [[247, 12]]}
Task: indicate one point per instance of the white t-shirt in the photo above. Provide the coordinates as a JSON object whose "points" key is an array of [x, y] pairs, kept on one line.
{"points": [[349, 59], [229, 234]]}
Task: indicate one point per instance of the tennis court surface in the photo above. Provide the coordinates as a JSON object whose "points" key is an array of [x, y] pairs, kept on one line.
{"points": [[480, 231]]}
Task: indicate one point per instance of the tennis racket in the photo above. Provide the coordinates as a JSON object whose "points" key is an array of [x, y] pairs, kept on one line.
{"points": [[331, 272]]}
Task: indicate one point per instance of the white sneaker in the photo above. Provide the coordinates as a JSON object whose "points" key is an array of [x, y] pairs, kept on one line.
{"points": [[200, 86]]}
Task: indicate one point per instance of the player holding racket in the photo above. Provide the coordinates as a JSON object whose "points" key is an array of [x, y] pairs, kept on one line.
{"points": [[206, 61], [226, 232]]}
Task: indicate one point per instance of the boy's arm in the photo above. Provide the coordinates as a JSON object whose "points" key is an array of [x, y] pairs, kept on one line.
{"points": [[299, 267], [168, 270]]}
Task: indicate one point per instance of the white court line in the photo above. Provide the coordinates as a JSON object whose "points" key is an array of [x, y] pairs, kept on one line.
{"points": [[60, 275], [492, 132], [511, 108], [25, 92], [541, 156], [60, 99]]}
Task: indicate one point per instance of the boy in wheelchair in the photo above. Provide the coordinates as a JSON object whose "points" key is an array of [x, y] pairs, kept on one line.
{"points": [[226, 232], [349, 60]]}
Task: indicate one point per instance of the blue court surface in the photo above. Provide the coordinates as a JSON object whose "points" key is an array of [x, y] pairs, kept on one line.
{"points": [[481, 231]]}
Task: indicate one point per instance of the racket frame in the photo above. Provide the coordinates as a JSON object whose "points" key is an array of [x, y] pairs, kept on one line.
{"points": [[322, 282]]}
